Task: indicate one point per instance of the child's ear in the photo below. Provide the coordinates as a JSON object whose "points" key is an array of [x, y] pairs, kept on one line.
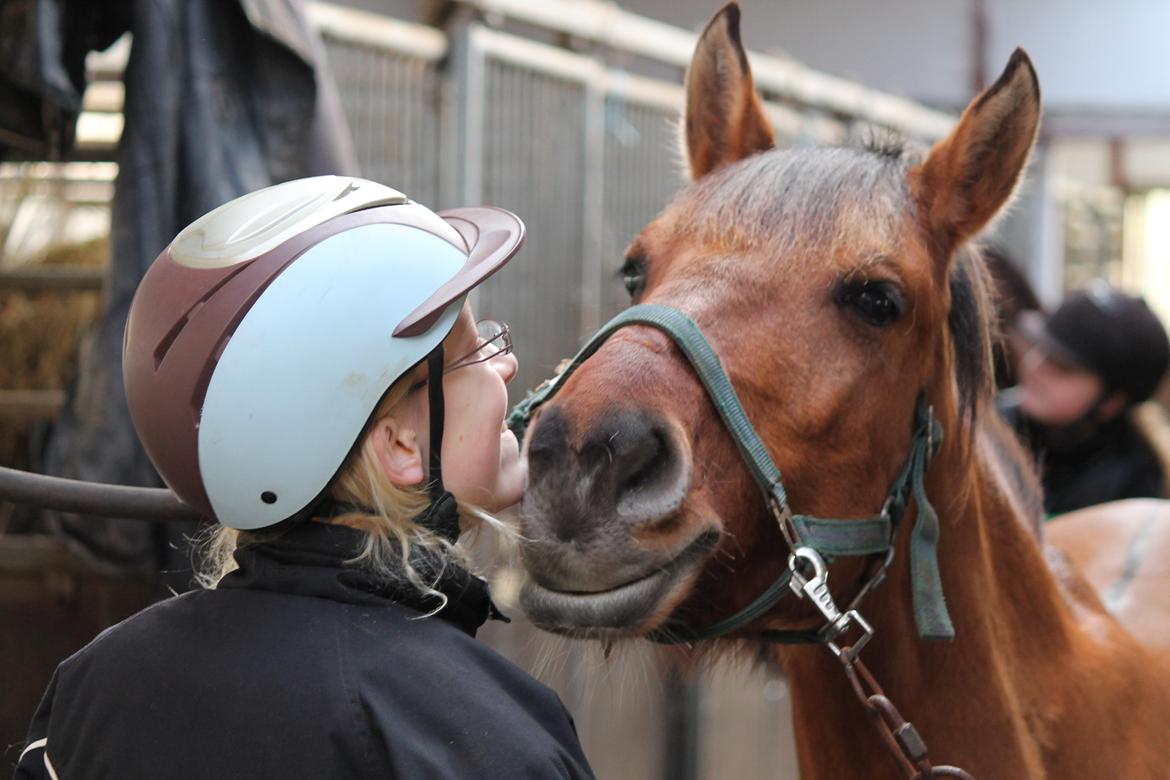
{"points": [[398, 451]]}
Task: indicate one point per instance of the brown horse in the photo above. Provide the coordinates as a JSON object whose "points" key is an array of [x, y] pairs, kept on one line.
{"points": [[836, 286], [1121, 549]]}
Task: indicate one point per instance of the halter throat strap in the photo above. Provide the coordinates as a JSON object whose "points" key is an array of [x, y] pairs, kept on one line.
{"points": [[831, 538]]}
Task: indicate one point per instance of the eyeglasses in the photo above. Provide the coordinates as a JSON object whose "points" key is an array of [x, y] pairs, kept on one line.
{"points": [[495, 339]]}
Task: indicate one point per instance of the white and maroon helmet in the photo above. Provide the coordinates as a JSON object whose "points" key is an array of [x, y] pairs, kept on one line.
{"points": [[262, 339]]}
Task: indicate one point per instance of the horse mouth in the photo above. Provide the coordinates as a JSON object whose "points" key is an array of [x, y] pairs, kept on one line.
{"points": [[626, 610]]}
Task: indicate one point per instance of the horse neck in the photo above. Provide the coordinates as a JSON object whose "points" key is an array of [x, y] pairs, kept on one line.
{"points": [[978, 693]]}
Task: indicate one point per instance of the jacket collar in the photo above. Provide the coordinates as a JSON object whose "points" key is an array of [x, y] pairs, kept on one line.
{"points": [[310, 559]]}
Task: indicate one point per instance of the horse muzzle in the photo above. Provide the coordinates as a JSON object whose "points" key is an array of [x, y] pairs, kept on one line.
{"points": [[629, 609], [608, 539]]}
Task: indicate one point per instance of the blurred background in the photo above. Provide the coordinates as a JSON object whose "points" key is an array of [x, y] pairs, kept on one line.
{"points": [[564, 111]]}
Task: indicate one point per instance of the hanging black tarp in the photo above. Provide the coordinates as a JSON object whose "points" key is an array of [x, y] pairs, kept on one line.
{"points": [[222, 97]]}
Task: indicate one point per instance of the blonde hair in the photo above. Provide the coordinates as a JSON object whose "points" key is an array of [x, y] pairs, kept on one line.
{"points": [[391, 530]]}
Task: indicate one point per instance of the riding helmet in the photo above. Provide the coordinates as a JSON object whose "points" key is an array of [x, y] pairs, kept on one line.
{"points": [[262, 339], [1110, 334]]}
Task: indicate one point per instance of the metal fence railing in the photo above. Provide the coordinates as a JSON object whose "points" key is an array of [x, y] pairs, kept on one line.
{"points": [[388, 75]]}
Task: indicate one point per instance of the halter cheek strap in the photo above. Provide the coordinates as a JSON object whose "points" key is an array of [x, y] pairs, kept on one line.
{"points": [[807, 536]]}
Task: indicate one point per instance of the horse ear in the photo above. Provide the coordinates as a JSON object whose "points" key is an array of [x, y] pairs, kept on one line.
{"points": [[971, 174], [725, 121]]}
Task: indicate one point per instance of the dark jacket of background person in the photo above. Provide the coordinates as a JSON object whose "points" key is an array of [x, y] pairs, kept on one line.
{"points": [[222, 97], [1114, 462], [300, 667]]}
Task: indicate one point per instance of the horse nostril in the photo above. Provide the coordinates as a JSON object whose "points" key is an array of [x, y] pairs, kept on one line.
{"points": [[644, 462], [642, 465], [656, 490], [629, 470], [548, 447]]}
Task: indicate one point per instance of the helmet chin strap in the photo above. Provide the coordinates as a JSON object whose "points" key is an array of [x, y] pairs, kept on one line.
{"points": [[438, 408], [442, 516]]}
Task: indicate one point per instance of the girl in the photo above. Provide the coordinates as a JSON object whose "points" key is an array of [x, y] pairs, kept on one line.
{"points": [[302, 365], [1093, 363]]}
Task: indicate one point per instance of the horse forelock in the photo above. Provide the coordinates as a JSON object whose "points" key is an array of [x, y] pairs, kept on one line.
{"points": [[788, 200]]}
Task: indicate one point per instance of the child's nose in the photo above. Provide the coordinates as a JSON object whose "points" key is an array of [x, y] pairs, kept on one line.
{"points": [[507, 365]]}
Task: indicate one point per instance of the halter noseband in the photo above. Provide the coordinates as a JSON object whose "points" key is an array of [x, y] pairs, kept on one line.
{"points": [[812, 540]]}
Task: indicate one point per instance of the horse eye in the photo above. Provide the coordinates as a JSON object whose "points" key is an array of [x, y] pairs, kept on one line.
{"points": [[633, 275], [878, 303]]}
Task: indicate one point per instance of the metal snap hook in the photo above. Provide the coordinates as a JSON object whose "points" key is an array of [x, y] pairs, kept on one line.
{"points": [[820, 570], [816, 588]]}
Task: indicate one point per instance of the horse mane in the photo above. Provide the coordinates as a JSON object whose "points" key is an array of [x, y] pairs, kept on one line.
{"points": [[888, 144], [972, 326]]}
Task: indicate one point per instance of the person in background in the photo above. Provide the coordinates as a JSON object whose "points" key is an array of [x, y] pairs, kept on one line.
{"points": [[1090, 365]]}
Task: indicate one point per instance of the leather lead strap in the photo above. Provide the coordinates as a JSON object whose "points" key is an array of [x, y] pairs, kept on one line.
{"points": [[899, 736]]}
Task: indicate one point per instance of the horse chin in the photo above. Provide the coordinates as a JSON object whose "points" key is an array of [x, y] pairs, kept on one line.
{"points": [[631, 609]]}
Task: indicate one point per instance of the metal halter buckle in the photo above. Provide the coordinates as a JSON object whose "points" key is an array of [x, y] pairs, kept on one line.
{"points": [[783, 515]]}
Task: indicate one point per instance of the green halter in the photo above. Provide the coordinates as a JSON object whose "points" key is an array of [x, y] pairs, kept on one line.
{"points": [[808, 537]]}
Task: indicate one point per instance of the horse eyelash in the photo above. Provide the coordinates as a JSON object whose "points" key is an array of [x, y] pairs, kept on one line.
{"points": [[848, 288], [633, 265], [851, 285]]}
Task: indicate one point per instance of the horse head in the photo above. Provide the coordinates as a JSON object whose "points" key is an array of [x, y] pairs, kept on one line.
{"points": [[836, 287]]}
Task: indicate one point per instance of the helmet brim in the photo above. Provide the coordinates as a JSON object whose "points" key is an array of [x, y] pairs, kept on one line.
{"points": [[1034, 327], [493, 236]]}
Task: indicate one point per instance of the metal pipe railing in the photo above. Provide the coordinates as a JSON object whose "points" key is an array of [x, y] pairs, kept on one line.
{"points": [[93, 498], [606, 24]]}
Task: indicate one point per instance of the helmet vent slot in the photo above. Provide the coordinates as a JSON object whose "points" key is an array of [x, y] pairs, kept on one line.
{"points": [[168, 340], [164, 346]]}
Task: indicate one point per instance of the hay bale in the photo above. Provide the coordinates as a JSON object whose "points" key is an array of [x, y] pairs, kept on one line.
{"points": [[40, 333]]}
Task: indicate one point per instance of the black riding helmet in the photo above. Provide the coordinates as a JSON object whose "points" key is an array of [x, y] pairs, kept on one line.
{"points": [[1108, 333]]}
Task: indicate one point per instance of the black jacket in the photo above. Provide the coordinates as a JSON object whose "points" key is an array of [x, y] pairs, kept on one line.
{"points": [[297, 666], [1079, 469]]}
